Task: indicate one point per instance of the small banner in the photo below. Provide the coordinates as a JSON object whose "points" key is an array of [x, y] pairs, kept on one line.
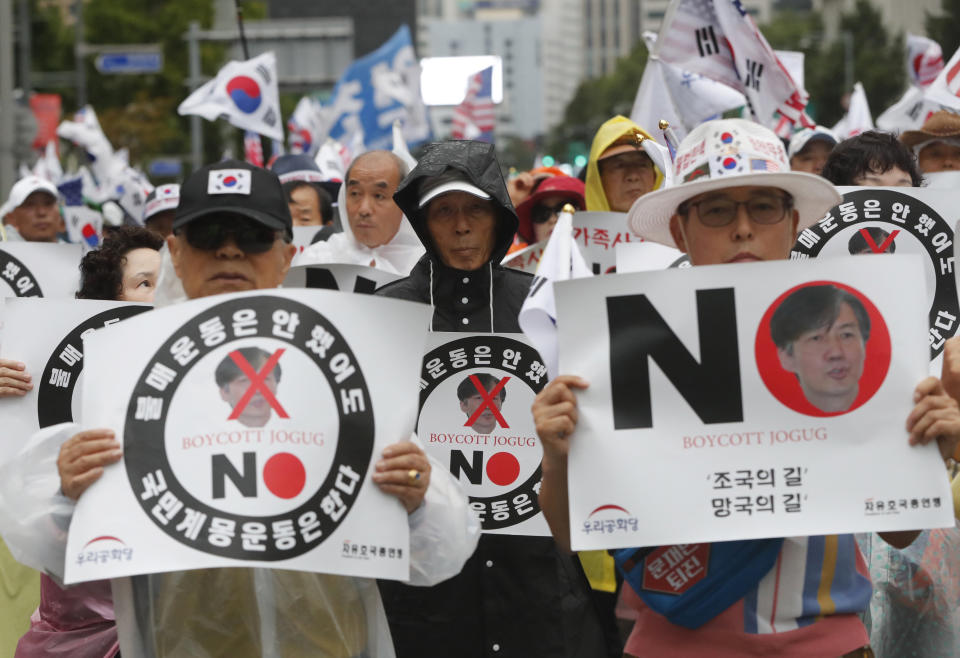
{"points": [[339, 276]]}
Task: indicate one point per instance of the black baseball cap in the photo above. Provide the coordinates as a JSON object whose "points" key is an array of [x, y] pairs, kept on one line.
{"points": [[234, 186]]}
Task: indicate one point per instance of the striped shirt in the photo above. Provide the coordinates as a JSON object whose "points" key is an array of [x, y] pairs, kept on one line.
{"points": [[807, 605]]}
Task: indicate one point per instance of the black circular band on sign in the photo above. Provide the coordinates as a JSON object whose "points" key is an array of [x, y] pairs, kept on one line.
{"points": [[55, 402], [497, 345], [922, 222], [20, 279], [145, 447]]}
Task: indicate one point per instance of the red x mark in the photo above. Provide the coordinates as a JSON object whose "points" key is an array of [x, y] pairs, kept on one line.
{"points": [[487, 401], [257, 383], [873, 245]]}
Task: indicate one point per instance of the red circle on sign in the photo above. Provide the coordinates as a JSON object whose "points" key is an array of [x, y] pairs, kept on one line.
{"points": [[785, 385], [284, 475], [503, 468]]}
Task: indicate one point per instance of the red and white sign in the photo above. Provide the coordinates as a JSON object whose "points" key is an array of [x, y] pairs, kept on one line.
{"points": [[250, 424], [729, 402]]}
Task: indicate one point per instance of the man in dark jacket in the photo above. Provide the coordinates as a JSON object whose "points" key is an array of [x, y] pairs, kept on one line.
{"points": [[517, 596]]}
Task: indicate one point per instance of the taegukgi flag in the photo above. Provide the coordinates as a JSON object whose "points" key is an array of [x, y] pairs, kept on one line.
{"points": [[718, 39], [243, 93], [945, 89]]}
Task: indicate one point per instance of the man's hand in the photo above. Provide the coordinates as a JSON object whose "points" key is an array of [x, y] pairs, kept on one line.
{"points": [[555, 415], [15, 381], [82, 459], [404, 472], [935, 417]]}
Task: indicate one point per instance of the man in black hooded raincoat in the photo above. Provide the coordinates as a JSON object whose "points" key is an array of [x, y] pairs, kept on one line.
{"points": [[516, 596]]}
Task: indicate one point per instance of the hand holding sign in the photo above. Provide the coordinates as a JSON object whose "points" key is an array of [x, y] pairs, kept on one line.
{"points": [[14, 378], [404, 472], [82, 459], [936, 417]]}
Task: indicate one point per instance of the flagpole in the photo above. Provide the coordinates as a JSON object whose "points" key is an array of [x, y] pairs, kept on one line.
{"points": [[243, 36]]}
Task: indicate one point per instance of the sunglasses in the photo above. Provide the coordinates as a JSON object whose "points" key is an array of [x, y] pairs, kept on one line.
{"points": [[542, 213], [209, 234]]}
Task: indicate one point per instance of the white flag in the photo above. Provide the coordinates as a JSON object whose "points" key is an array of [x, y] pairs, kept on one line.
{"points": [[909, 113], [561, 261], [244, 93], [400, 146], [946, 88], [924, 60], [306, 127], [682, 98], [333, 160], [858, 117], [718, 39]]}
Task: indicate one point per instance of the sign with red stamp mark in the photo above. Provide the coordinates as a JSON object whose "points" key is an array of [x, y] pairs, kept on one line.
{"points": [[249, 425], [475, 397]]}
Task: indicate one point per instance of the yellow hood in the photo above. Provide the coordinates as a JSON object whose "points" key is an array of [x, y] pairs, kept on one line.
{"points": [[609, 132]]}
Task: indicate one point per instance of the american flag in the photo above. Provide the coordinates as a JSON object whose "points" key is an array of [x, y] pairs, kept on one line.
{"points": [[253, 148], [476, 110]]}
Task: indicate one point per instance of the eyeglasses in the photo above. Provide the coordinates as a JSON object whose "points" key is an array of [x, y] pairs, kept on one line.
{"points": [[720, 211], [542, 213], [209, 234]]}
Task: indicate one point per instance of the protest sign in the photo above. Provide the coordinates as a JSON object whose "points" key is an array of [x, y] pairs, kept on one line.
{"points": [[475, 396], [46, 335], [250, 424], [733, 435], [34, 269], [339, 276], [303, 236], [645, 256], [596, 234], [901, 220]]}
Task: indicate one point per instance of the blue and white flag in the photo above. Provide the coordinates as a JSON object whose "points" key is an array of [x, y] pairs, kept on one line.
{"points": [[376, 90]]}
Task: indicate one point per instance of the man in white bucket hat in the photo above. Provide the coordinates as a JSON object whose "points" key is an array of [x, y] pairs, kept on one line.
{"points": [[736, 200]]}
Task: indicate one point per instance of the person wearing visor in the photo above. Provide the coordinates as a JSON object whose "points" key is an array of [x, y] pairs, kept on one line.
{"points": [[718, 216], [160, 209], [539, 213], [937, 143], [517, 596], [619, 171], [233, 233], [809, 149]]}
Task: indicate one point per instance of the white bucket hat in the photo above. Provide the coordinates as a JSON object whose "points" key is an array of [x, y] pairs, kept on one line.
{"points": [[729, 153]]}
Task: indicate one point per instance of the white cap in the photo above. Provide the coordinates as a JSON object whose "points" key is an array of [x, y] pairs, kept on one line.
{"points": [[452, 186], [27, 186], [803, 137]]}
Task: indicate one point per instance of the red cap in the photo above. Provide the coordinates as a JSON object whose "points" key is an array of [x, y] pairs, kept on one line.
{"points": [[564, 185]]}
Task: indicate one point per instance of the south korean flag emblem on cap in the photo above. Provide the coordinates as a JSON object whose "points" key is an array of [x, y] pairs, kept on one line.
{"points": [[229, 181]]}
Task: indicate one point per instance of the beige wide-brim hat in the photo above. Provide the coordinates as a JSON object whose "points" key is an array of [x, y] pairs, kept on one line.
{"points": [[729, 153], [941, 124]]}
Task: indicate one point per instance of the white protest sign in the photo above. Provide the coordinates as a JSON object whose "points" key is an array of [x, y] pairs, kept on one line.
{"points": [[645, 256], [303, 236], [734, 436], [46, 335], [475, 396], [250, 424], [34, 269], [897, 220], [339, 276], [597, 234]]}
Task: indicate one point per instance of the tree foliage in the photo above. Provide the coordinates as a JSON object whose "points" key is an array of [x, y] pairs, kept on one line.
{"points": [[944, 27]]}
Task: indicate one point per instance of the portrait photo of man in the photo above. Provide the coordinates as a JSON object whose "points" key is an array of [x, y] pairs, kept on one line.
{"points": [[234, 385], [471, 399], [858, 244], [821, 334]]}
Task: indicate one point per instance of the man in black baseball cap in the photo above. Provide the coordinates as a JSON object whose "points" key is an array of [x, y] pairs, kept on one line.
{"points": [[232, 230]]}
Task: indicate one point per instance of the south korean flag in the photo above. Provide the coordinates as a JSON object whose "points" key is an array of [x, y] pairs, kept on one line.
{"points": [[229, 181]]}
